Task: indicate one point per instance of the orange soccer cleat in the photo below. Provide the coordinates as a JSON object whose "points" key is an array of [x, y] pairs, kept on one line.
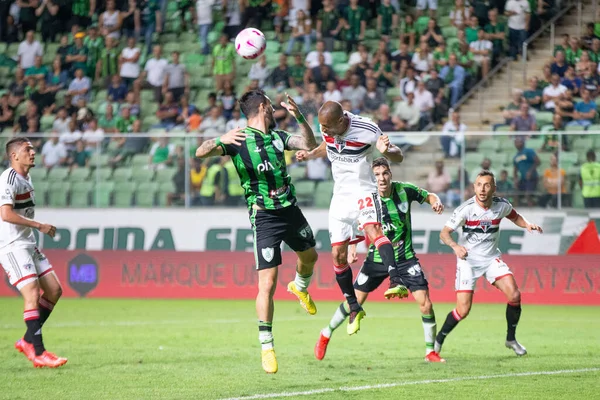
{"points": [[26, 348], [321, 346], [49, 360], [434, 357]]}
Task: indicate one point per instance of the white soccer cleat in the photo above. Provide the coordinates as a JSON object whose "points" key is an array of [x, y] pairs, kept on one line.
{"points": [[517, 347]]}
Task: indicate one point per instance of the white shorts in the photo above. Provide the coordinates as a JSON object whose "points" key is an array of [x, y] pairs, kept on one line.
{"points": [[423, 4], [467, 274], [24, 265], [348, 215]]}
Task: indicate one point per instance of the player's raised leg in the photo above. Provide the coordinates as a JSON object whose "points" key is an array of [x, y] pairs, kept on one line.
{"points": [[267, 283], [508, 286], [343, 276], [464, 300]]}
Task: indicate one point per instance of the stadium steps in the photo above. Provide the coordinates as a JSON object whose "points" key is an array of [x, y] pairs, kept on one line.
{"points": [[497, 93]]}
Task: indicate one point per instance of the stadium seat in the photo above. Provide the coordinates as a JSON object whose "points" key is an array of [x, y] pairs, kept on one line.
{"points": [[122, 174], [543, 118], [421, 23], [499, 160], [165, 175], [140, 175], [58, 174], [40, 190], [102, 193], [80, 194], [123, 194], [79, 174], [323, 194], [145, 194], [139, 160], [534, 143], [98, 160], [488, 145], [46, 122], [568, 158], [582, 144], [305, 191], [38, 174], [164, 188], [58, 193], [297, 172]]}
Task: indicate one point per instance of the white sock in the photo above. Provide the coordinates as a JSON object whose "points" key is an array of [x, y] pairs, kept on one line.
{"points": [[265, 334], [338, 319], [429, 328], [302, 281]]}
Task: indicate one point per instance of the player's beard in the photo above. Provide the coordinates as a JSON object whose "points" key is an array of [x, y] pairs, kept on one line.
{"points": [[272, 124]]}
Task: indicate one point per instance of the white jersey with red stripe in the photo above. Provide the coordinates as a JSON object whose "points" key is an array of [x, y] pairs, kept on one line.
{"points": [[17, 191], [481, 228], [351, 155]]}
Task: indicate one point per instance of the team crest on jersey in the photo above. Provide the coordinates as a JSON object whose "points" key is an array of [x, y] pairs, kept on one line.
{"points": [[278, 144], [403, 207], [305, 232], [340, 144], [485, 225], [268, 253]]}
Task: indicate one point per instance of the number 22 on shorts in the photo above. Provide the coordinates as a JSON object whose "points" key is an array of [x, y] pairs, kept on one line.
{"points": [[366, 202]]}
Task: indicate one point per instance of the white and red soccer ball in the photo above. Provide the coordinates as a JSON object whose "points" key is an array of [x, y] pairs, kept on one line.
{"points": [[250, 43]]}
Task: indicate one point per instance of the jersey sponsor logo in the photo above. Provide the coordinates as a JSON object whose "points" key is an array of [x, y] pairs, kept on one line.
{"points": [[345, 159], [389, 227], [278, 144], [265, 166], [268, 253]]}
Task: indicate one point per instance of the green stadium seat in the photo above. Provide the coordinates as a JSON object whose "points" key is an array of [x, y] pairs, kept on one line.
{"points": [[102, 193], [582, 144], [139, 160], [297, 172], [140, 175], [305, 191], [421, 23], [46, 122], [323, 194], [80, 194], [577, 201], [38, 174], [473, 157], [123, 194], [449, 32], [568, 158], [498, 159], [58, 194], [488, 145], [146, 193], [165, 176], [148, 121], [99, 160], [122, 174], [339, 57], [503, 128], [534, 143], [79, 174], [58, 174], [543, 118], [40, 189]]}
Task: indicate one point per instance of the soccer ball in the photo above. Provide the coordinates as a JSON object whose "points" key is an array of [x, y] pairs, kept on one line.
{"points": [[250, 43]]}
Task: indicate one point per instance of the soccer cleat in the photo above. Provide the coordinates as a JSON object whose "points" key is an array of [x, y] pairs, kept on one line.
{"points": [[516, 346], [305, 300], [437, 347], [49, 360], [434, 357], [399, 291], [321, 346], [269, 361], [354, 321], [25, 348]]}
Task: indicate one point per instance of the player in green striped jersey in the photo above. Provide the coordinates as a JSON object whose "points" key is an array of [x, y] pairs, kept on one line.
{"points": [[396, 198], [258, 155]]}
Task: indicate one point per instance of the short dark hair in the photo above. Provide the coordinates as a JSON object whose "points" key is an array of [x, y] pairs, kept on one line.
{"points": [[485, 172], [14, 142], [591, 155], [381, 162], [250, 102]]}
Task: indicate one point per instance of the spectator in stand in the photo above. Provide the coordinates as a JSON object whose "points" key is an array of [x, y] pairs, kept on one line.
{"points": [[454, 76], [590, 82], [129, 62], [161, 154], [553, 93], [439, 181], [62, 51], [152, 21], [454, 136], [594, 52], [228, 100], [28, 50], [554, 178], [108, 65], [71, 135], [472, 30], [385, 121], [572, 53], [17, 88], [223, 62], [168, 112], [504, 187], [152, 77], [559, 66], [425, 103], [12, 30], [320, 74], [525, 121], [108, 122], [124, 123], [186, 110], [79, 157], [93, 137], [355, 24], [525, 173], [545, 80], [408, 32], [133, 104], [38, 70], [584, 63], [355, 93], [408, 83], [129, 145], [436, 86], [588, 39], [297, 72], [401, 59], [77, 55], [496, 33], [117, 90], [454, 196], [312, 58], [422, 59], [585, 111], [387, 20], [589, 181], [57, 78], [432, 5], [26, 15], [316, 169], [79, 87], [460, 14], [533, 95], [519, 14], [281, 11], [551, 142], [407, 113], [177, 79], [374, 97], [512, 110], [54, 153], [329, 24], [361, 54], [46, 12], [482, 50], [44, 98], [486, 165], [7, 113], [260, 71], [204, 20], [301, 32], [82, 12], [280, 76], [236, 121], [110, 21], [332, 93], [214, 123], [131, 19], [440, 56]]}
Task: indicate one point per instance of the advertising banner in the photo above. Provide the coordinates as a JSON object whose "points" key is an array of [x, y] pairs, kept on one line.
{"points": [[218, 229], [225, 275]]}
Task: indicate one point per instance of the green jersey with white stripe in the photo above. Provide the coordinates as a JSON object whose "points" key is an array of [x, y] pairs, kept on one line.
{"points": [[260, 164], [396, 222]]}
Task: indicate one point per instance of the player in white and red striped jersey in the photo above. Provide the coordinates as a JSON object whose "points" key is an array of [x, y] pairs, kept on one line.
{"points": [[27, 268], [349, 142], [478, 255]]}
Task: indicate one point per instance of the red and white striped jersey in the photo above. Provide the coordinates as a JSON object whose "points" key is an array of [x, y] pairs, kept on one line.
{"points": [[18, 192], [481, 228], [351, 155]]}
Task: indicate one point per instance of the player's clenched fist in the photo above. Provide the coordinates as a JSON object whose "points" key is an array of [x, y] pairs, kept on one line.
{"points": [[235, 136], [302, 155], [437, 207], [383, 143], [48, 229], [461, 252]]}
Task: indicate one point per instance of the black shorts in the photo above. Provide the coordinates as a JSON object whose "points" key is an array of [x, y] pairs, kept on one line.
{"points": [[373, 274], [271, 227]]}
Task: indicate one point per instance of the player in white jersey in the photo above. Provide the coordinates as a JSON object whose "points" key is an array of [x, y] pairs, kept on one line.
{"points": [[355, 210], [27, 268], [478, 255]]}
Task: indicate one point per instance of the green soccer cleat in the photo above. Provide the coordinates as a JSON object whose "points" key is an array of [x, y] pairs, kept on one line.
{"points": [[305, 300], [354, 321], [399, 291]]}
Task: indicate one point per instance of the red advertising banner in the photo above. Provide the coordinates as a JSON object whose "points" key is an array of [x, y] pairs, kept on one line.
{"points": [[571, 279]]}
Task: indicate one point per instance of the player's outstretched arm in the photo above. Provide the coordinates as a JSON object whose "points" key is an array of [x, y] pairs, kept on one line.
{"points": [[436, 203], [212, 147], [306, 140], [521, 222], [319, 152], [9, 215], [446, 238], [389, 150]]}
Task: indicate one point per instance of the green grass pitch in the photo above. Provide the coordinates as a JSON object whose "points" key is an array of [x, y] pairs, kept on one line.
{"points": [[201, 349]]}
